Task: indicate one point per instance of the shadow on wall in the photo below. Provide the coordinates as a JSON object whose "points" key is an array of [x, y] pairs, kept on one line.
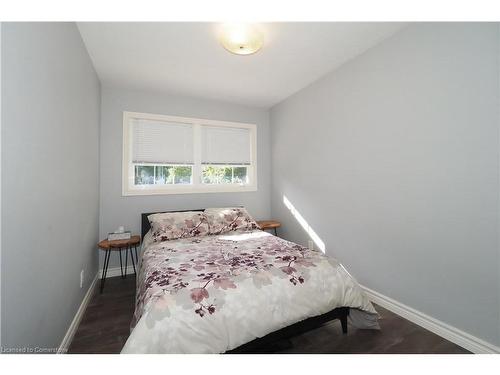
{"points": [[304, 224]]}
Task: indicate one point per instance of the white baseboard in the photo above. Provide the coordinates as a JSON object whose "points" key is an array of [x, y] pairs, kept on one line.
{"points": [[455, 335], [70, 333], [115, 271]]}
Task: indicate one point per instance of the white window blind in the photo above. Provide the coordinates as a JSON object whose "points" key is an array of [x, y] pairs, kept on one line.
{"points": [[225, 145], [162, 142]]}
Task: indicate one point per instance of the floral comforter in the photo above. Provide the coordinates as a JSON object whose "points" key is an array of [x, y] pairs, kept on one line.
{"points": [[214, 293]]}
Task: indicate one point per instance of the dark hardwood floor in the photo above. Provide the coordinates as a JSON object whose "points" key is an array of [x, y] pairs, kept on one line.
{"points": [[105, 328]]}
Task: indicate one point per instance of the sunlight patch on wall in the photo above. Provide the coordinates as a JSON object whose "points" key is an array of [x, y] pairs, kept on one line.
{"points": [[304, 224]]}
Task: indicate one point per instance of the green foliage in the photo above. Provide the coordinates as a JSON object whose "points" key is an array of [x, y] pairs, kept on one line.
{"points": [[224, 174], [180, 174], [216, 175], [162, 174], [240, 174], [177, 174]]}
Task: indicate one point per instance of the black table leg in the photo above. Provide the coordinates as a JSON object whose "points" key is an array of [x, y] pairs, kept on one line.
{"points": [[121, 266], [275, 232], [126, 261], [132, 256], [105, 268], [343, 319], [136, 257]]}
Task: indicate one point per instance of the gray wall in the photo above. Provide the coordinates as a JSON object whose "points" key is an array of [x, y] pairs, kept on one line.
{"points": [[50, 178], [393, 159], [0, 183], [116, 209]]}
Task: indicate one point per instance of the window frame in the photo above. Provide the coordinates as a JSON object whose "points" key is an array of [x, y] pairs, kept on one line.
{"points": [[128, 174]]}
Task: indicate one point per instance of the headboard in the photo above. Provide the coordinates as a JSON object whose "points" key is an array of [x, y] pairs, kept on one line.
{"points": [[145, 226]]}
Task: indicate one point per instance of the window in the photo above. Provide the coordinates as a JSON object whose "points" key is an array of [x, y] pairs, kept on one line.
{"points": [[176, 155]]}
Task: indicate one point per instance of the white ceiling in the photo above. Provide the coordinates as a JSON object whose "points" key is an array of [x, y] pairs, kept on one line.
{"points": [[187, 58]]}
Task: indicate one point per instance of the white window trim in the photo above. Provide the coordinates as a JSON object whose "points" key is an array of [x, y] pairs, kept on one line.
{"points": [[128, 186]]}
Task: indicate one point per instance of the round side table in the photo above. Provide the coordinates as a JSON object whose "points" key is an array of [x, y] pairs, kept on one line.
{"points": [[269, 224], [119, 245]]}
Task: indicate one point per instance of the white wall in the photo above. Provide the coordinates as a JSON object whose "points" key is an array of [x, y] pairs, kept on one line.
{"points": [[50, 128], [0, 185], [393, 160], [116, 209]]}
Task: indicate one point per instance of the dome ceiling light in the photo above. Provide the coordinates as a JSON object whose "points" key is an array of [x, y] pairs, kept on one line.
{"points": [[241, 39]]}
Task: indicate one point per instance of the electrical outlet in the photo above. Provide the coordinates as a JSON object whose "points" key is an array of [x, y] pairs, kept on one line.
{"points": [[81, 278], [311, 245]]}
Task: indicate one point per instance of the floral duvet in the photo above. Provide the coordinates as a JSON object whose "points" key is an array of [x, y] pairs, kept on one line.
{"points": [[213, 293]]}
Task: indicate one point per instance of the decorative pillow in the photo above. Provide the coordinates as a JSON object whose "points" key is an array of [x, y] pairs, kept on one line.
{"points": [[222, 220], [175, 225]]}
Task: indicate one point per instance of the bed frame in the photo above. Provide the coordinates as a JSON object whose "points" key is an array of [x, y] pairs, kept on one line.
{"points": [[274, 340]]}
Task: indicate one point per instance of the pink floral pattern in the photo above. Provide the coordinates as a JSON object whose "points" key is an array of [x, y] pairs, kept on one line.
{"points": [[198, 272], [223, 220], [175, 225]]}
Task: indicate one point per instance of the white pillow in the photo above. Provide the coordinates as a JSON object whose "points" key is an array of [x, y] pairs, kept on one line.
{"points": [[222, 220], [173, 225]]}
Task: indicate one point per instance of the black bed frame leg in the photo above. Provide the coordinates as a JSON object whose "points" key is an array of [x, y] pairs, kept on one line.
{"points": [[343, 320]]}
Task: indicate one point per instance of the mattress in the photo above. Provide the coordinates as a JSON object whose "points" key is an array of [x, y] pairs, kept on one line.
{"points": [[213, 293]]}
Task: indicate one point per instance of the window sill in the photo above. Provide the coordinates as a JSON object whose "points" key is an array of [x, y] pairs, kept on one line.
{"points": [[189, 190]]}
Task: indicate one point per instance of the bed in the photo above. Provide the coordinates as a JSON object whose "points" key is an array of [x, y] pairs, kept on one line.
{"points": [[236, 290]]}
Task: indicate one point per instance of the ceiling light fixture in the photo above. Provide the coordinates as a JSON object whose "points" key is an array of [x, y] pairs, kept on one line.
{"points": [[241, 39]]}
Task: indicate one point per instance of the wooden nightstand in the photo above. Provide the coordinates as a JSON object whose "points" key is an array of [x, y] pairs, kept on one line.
{"points": [[269, 224], [119, 245]]}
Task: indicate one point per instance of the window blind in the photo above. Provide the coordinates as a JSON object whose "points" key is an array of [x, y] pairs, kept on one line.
{"points": [[225, 145], [161, 142]]}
